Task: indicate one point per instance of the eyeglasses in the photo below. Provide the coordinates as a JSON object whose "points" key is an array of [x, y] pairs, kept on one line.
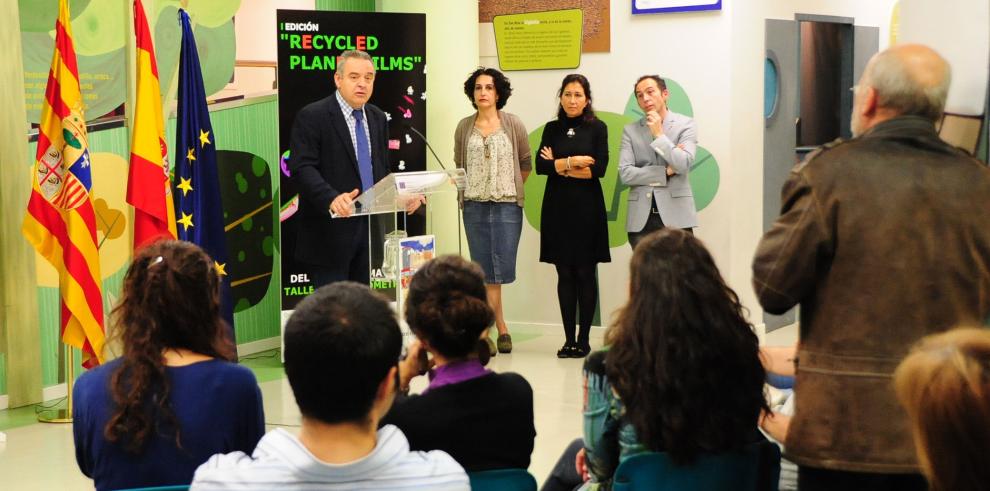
{"points": [[488, 147]]}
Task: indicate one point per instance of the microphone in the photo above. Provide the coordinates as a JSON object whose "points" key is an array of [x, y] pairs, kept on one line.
{"points": [[427, 142], [460, 251]]}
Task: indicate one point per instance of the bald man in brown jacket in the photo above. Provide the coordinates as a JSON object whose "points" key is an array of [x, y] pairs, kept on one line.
{"points": [[882, 239]]}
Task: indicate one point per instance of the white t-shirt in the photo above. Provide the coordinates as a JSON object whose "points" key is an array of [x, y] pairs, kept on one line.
{"points": [[280, 462]]}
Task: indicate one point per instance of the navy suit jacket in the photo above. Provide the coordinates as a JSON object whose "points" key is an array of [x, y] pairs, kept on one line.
{"points": [[323, 165]]}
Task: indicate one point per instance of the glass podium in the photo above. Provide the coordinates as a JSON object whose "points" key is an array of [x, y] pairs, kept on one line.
{"points": [[394, 256]]}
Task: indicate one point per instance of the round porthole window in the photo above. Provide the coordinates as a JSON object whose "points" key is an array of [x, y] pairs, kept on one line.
{"points": [[771, 87]]}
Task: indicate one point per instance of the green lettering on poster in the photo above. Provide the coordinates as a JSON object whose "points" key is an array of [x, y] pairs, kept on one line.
{"points": [[539, 40]]}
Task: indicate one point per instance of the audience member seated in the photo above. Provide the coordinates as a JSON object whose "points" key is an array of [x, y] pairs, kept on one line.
{"points": [[680, 373], [779, 361], [342, 348], [944, 384], [173, 398], [482, 419]]}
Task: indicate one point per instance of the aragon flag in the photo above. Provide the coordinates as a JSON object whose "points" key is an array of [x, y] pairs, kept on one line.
{"points": [[60, 222], [149, 187]]}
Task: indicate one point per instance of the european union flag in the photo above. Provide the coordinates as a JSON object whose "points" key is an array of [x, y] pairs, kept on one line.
{"points": [[196, 188]]}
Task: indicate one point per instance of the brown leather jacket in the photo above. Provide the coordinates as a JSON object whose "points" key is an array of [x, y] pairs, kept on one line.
{"points": [[882, 239]]}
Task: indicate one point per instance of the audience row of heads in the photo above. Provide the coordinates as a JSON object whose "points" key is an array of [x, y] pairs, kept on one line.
{"points": [[681, 316], [351, 333], [679, 346]]}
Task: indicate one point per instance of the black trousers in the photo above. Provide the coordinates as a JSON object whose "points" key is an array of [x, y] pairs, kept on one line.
{"points": [[354, 267], [816, 479], [653, 223], [564, 476]]}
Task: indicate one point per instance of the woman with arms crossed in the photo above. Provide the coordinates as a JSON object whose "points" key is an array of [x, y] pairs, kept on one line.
{"points": [[573, 228]]}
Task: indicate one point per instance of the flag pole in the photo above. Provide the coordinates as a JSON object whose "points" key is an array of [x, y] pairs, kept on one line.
{"points": [[63, 415]]}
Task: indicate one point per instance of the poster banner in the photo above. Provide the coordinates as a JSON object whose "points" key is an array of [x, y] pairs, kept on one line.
{"points": [[308, 45]]}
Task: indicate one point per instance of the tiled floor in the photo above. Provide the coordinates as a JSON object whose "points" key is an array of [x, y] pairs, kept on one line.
{"points": [[41, 456]]}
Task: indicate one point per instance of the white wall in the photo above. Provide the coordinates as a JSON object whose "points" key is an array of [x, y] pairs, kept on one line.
{"points": [[254, 26], [255, 30], [718, 59]]}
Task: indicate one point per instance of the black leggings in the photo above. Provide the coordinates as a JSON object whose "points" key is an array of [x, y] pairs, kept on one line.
{"points": [[577, 292]]}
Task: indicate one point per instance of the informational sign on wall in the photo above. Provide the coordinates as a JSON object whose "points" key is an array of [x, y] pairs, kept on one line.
{"points": [[667, 6], [308, 45], [596, 32], [539, 40]]}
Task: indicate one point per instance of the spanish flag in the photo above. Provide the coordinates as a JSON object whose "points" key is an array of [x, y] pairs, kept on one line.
{"points": [[149, 188], [60, 222]]}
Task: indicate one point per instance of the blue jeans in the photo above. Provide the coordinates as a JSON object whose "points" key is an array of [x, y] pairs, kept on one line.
{"points": [[493, 231]]}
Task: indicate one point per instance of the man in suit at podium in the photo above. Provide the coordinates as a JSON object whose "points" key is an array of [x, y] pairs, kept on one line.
{"points": [[656, 154], [339, 149]]}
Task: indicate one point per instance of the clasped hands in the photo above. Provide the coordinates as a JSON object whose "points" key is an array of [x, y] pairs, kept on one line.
{"points": [[413, 364], [343, 204], [576, 166]]}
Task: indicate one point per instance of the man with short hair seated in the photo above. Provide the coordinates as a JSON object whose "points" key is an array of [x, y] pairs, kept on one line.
{"points": [[342, 346]]}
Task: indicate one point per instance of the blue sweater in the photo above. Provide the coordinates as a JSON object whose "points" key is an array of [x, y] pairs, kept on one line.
{"points": [[218, 407]]}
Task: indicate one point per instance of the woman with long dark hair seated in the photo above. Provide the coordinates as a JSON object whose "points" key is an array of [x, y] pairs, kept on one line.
{"points": [[484, 420], [681, 371], [173, 398]]}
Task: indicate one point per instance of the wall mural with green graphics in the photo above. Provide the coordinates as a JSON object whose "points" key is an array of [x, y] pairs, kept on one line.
{"points": [[100, 29], [703, 175]]}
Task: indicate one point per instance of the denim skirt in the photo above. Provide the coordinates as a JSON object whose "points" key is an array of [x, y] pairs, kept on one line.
{"points": [[493, 231]]}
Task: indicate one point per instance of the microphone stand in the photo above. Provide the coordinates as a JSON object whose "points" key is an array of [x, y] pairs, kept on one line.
{"points": [[444, 167]]}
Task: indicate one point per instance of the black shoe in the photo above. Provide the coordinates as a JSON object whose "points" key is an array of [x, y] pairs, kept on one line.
{"points": [[581, 350], [566, 351]]}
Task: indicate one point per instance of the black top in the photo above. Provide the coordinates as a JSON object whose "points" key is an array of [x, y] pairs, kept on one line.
{"points": [[573, 227], [483, 423]]}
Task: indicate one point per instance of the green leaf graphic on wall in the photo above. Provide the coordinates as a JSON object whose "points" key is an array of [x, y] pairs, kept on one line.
{"points": [[100, 29], [246, 192], [40, 15], [215, 45], [704, 174]]}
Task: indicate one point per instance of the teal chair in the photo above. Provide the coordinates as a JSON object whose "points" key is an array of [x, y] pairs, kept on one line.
{"points": [[502, 480], [755, 468]]}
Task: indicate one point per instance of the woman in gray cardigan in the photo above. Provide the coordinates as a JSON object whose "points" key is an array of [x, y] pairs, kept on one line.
{"points": [[493, 148]]}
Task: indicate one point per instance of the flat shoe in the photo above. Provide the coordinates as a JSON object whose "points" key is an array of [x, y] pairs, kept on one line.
{"points": [[504, 343], [581, 351], [491, 346]]}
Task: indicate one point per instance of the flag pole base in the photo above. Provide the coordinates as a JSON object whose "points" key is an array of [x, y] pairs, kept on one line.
{"points": [[55, 416]]}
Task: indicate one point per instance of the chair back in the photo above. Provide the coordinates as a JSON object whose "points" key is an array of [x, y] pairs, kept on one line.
{"points": [[502, 480], [754, 468]]}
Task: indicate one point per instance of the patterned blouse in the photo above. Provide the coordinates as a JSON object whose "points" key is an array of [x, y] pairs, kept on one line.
{"points": [[490, 168]]}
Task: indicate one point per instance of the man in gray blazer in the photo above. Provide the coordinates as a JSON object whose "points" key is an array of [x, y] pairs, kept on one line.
{"points": [[657, 152]]}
